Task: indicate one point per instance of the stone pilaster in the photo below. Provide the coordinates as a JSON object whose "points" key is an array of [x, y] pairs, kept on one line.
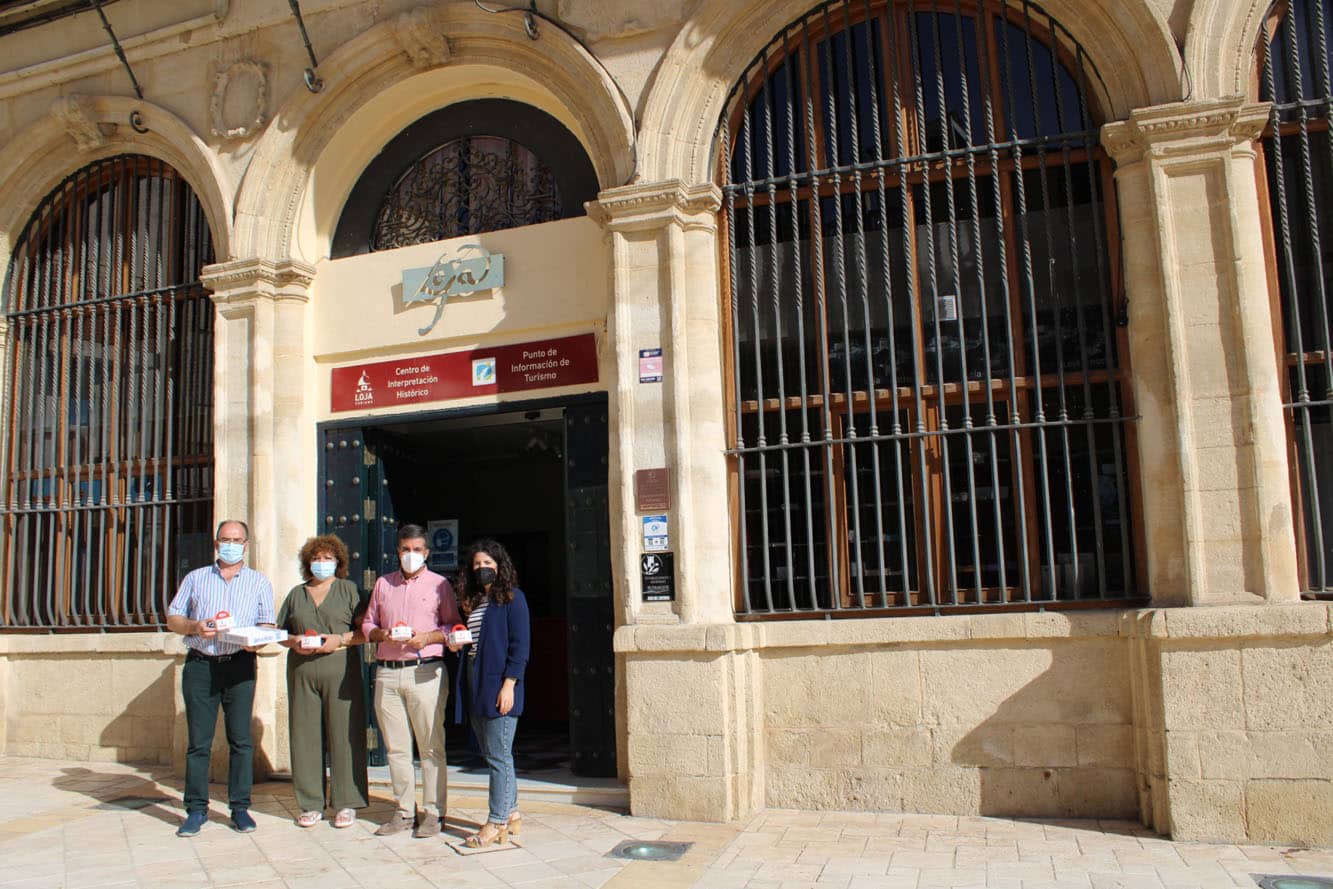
{"points": [[665, 269], [1213, 480], [264, 437]]}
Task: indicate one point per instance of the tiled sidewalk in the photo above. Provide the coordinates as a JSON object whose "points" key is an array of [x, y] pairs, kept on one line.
{"points": [[67, 824]]}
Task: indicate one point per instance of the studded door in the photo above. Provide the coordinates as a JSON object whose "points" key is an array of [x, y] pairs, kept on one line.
{"points": [[592, 680], [355, 505]]}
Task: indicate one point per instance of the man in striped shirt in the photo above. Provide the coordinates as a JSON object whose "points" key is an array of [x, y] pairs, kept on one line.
{"points": [[219, 673]]}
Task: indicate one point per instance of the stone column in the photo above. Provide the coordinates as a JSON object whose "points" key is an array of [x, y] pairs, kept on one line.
{"points": [[264, 441], [1213, 467], [689, 719], [664, 256]]}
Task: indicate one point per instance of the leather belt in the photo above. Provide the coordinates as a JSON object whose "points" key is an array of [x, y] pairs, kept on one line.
{"points": [[416, 662], [195, 654]]}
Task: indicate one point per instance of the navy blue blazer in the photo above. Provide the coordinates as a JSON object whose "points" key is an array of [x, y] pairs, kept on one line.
{"points": [[502, 653]]}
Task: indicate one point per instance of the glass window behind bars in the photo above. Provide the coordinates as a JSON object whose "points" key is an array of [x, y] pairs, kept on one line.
{"points": [[929, 407], [109, 432]]}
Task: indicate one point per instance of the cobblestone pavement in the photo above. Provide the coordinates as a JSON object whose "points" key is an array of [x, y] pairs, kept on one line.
{"points": [[70, 824]]}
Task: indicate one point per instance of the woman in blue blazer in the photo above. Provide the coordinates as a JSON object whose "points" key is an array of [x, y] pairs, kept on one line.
{"points": [[490, 680]]}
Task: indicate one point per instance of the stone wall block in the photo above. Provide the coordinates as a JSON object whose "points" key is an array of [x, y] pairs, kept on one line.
{"points": [[663, 753], [1201, 689], [1181, 750], [1288, 812], [1289, 685], [1105, 745], [944, 790], [1097, 793], [1044, 744], [1223, 755], [874, 789], [1207, 811], [1291, 755], [1019, 793], [835, 749], [897, 747], [816, 689], [678, 797], [894, 694], [800, 787]]}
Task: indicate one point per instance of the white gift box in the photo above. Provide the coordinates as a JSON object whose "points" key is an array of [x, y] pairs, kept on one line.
{"points": [[222, 622], [252, 636], [400, 633], [312, 641], [462, 636]]}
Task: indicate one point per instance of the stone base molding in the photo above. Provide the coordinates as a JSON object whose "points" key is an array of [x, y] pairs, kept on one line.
{"points": [[1207, 724]]}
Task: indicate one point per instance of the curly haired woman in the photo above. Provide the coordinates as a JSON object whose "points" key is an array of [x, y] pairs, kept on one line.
{"points": [[490, 682], [325, 697]]}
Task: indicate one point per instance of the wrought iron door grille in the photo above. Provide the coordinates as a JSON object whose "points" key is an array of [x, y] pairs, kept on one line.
{"points": [[928, 407], [1295, 76], [108, 495]]}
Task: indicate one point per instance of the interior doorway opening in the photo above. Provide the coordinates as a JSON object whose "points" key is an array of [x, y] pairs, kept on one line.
{"points": [[533, 477]]}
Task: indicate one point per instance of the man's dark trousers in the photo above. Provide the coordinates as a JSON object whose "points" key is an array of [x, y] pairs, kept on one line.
{"points": [[207, 684]]}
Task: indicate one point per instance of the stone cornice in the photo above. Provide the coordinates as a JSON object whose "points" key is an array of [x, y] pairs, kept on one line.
{"points": [[242, 279], [1184, 128], [654, 205]]}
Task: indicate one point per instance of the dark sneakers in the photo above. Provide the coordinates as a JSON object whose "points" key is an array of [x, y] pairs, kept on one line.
{"points": [[241, 820], [397, 824], [193, 822], [429, 827]]}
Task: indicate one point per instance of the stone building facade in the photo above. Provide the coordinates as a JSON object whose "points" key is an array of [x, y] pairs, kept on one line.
{"points": [[1189, 684]]}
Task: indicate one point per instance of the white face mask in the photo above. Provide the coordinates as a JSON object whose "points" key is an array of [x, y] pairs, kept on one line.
{"points": [[411, 562]]}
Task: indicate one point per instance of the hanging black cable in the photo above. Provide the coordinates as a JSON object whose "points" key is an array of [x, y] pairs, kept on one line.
{"points": [[120, 53], [312, 80]]}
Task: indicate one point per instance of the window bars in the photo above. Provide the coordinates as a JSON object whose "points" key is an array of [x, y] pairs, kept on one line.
{"points": [[109, 444], [1295, 76], [928, 405]]}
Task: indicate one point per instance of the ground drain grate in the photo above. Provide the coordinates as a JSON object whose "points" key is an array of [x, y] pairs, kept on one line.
{"points": [[643, 850], [130, 802], [1287, 881]]}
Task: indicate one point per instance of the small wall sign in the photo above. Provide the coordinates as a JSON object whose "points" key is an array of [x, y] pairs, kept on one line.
{"points": [[652, 490], [650, 365], [658, 574], [542, 364], [655, 536]]}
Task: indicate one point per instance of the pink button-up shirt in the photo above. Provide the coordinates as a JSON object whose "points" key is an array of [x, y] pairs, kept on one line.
{"points": [[425, 603]]}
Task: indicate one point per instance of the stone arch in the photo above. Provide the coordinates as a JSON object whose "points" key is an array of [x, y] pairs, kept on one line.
{"points": [[1131, 46], [83, 129], [1220, 41], [385, 78]]}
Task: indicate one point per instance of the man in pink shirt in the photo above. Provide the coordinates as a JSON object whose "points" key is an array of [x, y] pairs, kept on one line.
{"points": [[409, 613]]}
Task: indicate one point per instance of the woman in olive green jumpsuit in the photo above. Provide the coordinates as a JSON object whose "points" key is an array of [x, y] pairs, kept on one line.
{"points": [[325, 698]]}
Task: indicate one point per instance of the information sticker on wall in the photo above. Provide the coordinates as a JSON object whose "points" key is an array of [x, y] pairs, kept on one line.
{"points": [[657, 571], [650, 365], [655, 537]]}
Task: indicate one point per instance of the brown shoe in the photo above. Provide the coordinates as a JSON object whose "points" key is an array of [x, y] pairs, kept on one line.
{"points": [[429, 826], [397, 824]]}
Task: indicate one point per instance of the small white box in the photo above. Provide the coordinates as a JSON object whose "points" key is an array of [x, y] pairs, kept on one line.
{"points": [[222, 622], [400, 633], [460, 635], [309, 642], [252, 636]]}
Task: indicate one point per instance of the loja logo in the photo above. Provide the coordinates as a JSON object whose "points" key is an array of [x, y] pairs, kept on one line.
{"points": [[365, 393]]}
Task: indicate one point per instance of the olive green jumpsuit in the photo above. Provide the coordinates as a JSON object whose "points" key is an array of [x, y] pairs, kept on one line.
{"points": [[326, 701]]}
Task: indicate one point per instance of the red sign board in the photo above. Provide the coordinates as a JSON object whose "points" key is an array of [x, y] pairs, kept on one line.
{"points": [[543, 364]]}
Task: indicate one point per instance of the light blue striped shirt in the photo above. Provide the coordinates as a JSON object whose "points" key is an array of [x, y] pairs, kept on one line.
{"points": [[248, 597]]}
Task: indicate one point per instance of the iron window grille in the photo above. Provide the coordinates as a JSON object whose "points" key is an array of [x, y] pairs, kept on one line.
{"points": [[930, 410], [108, 496], [1295, 75]]}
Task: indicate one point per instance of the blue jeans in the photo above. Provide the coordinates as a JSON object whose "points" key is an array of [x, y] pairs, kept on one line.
{"points": [[496, 739]]}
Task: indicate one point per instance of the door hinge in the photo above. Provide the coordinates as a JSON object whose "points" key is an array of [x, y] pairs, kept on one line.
{"points": [[368, 580], [368, 507]]}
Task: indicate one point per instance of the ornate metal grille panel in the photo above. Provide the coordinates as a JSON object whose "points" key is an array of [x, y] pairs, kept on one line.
{"points": [[929, 410], [1295, 75], [108, 495], [467, 186]]}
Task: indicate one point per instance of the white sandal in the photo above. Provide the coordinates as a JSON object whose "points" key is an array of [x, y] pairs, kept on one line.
{"points": [[309, 819], [344, 818]]}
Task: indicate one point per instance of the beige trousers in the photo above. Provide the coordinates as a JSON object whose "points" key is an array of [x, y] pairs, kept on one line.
{"points": [[410, 702]]}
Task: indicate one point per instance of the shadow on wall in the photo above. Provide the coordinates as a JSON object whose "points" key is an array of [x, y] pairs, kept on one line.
{"points": [[1060, 746], [142, 733]]}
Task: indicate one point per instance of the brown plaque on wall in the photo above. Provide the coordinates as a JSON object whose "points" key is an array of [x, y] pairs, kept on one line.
{"points": [[652, 490]]}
